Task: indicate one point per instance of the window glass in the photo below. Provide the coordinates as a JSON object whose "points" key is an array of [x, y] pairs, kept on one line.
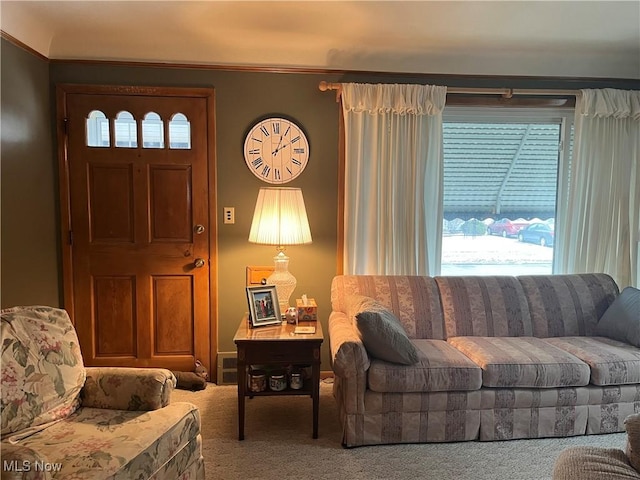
{"points": [[179, 132], [126, 130], [97, 129], [152, 131], [500, 188]]}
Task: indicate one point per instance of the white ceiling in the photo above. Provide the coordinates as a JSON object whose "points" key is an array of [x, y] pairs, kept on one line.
{"points": [[543, 38]]}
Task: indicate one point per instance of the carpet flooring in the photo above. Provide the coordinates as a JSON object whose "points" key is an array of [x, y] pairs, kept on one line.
{"points": [[278, 445]]}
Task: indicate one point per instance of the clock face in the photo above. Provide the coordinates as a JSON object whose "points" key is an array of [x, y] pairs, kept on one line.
{"points": [[276, 150]]}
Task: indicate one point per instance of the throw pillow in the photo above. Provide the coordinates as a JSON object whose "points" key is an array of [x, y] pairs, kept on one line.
{"points": [[621, 321], [382, 333], [632, 426]]}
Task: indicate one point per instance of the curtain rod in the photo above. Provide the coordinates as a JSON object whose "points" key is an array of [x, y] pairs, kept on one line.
{"points": [[504, 92]]}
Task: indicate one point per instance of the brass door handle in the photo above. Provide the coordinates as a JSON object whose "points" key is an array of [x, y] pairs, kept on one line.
{"points": [[199, 262], [199, 229]]}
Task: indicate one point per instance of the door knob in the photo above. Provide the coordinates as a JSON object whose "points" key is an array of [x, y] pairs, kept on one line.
{"points": [[199, 229], [199, 262]]}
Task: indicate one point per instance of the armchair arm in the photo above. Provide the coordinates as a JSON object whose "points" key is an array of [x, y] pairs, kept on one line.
{"points": [[121, 388], [18, 463], [632, 426]]}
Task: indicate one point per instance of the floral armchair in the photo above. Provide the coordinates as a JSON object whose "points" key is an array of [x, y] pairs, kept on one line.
{"points": [[62, 420]]}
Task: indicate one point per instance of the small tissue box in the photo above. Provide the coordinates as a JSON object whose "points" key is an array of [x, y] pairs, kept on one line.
{"points": [[307, 313]]}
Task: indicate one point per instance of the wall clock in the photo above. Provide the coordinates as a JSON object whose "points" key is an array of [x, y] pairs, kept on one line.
{"points": [[276, 150]]}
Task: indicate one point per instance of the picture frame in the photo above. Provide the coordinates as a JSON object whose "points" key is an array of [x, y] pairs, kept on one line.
{"points": [[263, 306]]}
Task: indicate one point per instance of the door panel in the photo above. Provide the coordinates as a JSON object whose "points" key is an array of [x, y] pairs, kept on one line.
{"points": [[139, 296], [172, 297], [170, 204], [114, 311], [110, 197]]}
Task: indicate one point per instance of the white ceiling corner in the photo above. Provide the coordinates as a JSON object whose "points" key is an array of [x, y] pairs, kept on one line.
{"points": [[536, 38]]}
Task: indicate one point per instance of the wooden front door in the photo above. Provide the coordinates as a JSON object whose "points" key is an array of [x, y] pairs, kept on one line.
{"points": [[135, 179]]}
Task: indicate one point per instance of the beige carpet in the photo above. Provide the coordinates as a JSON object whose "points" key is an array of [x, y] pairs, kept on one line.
{"points": [[278, 445]]}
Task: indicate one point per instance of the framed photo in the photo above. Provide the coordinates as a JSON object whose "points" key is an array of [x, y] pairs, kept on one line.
{"points": [[263, 306]]}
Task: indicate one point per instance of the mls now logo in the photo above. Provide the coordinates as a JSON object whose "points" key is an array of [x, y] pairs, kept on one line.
{"points": [[29, 466]]}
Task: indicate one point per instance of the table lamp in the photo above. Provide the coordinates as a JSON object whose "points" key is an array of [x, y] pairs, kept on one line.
{"points": [[280, 219]]}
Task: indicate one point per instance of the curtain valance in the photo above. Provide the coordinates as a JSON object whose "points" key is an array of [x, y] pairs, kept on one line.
{"points": [[393, 98], [609, 102]]}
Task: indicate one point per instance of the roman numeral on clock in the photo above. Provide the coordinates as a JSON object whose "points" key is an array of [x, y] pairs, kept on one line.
{"points": [[276, 174], [257, 162], [266, 170], [264, 130], [254, 151], [276, 128], [296, 161]]}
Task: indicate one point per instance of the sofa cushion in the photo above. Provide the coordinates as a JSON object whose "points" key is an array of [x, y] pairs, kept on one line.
{"points": [[611, 362], [98, 444], [566, 305], [522, 362], [381, 332], [491, 306], [413, 299], [440, 368], [42, 370], [621, 321]]}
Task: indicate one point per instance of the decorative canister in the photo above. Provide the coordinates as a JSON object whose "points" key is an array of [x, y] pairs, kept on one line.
{"points": [[277, 381], [296, 381], [257, 381]]}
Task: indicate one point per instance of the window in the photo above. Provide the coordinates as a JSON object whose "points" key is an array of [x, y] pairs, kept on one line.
{"points": [[126, 130], [179, 132], [500, 188], [97, 129], [152, 131]]}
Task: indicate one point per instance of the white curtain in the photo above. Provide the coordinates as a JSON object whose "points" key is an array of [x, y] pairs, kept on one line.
{"points": [[393, 178], [599, 207]]}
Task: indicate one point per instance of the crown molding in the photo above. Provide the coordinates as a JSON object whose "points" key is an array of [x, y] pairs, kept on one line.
{"points": [[24, 46]]}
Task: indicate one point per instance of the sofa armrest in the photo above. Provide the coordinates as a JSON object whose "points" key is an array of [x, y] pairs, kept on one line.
{"points": [[121, 388], [348, 355], [350, 362]]}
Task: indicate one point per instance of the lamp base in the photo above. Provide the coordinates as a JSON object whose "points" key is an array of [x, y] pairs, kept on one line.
{"points": [[282, 279]]}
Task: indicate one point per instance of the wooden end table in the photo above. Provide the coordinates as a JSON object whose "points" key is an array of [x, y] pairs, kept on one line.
{"points": [[278, 346]]}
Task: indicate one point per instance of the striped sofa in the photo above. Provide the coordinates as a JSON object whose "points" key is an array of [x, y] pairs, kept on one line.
{"points": [[499, 358]]}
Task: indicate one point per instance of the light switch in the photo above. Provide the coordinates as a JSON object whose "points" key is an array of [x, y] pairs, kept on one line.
{"points": [[229, 214]]}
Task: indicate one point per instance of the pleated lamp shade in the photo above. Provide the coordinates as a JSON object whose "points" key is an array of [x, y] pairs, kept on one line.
{"points": [[280, 218]]}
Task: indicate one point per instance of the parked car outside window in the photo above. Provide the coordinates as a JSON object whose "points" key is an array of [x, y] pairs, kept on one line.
{"points": [[540, 233], [506, 227]]}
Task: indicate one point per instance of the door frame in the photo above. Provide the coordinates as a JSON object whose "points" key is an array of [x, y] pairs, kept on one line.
{"points": [[64, 89]]}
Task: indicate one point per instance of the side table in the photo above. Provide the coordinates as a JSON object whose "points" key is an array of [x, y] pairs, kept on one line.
{"points": [[278, 346]]}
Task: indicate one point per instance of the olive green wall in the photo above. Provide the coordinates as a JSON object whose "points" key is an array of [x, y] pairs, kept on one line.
{"points": [[29, 244], [31, 268]]}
